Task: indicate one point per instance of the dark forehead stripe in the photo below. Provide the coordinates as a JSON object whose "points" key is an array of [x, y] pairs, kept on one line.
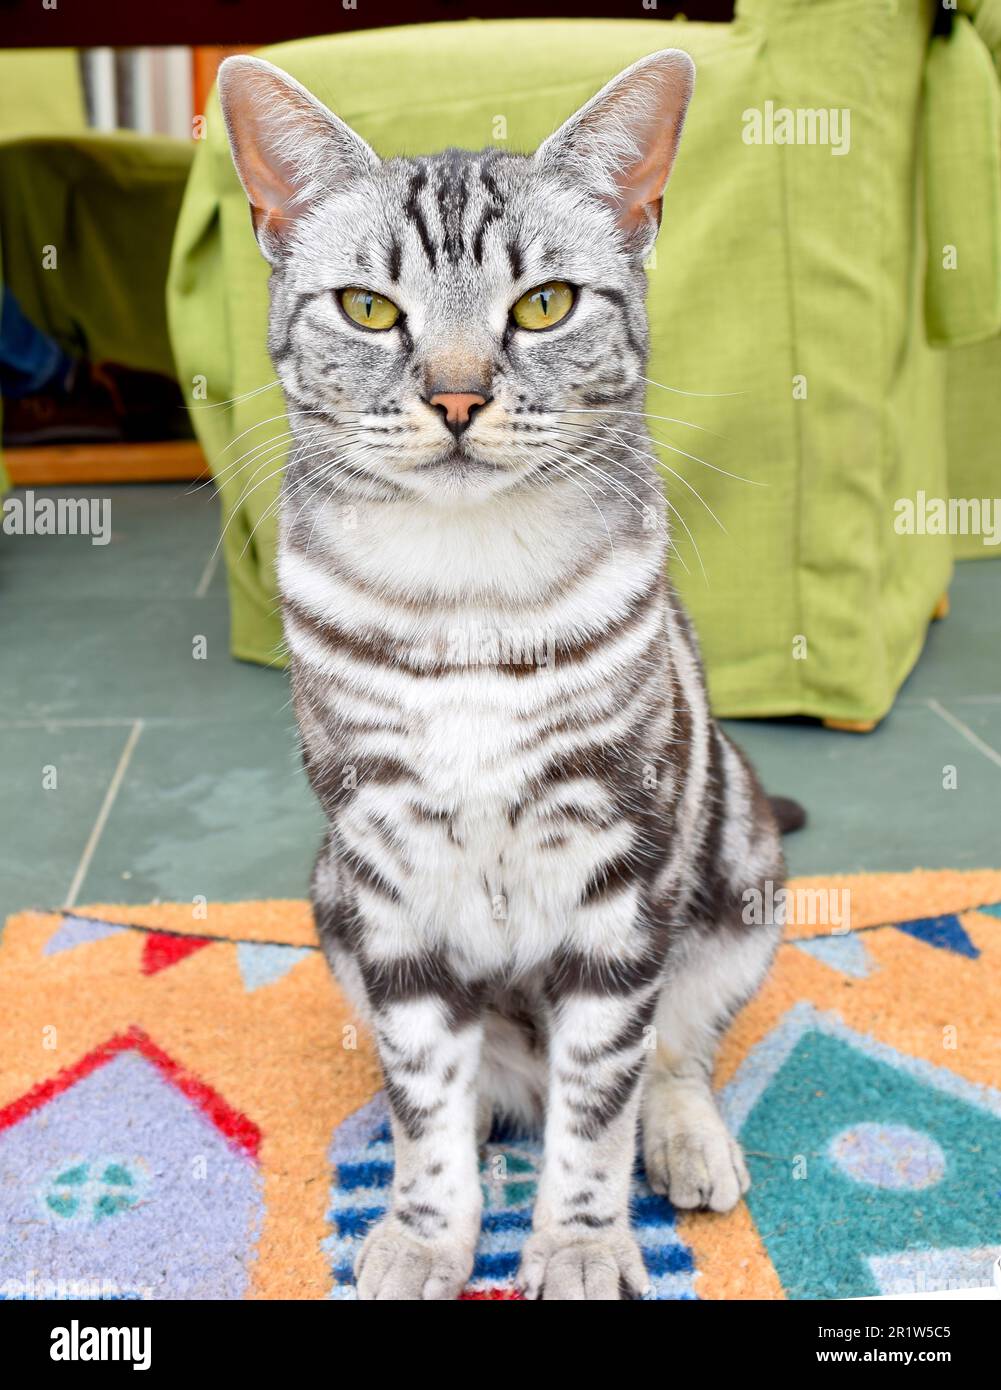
{"points": [[393, 259], [489, 182], [415, 216], [514, 257], [452, 193], [491, 212]]}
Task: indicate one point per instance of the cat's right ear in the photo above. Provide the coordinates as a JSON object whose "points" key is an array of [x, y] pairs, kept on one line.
{"points": [[289, 150]]}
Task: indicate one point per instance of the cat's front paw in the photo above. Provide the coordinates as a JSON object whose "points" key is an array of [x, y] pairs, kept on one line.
{"points": [[697, 1164], [570, 1266], [391, 1265]]}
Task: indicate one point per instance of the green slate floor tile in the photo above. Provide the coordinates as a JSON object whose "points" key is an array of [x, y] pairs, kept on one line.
{"points": [[218, 810], [982, 719], [877, 801], [129, 658], [43, 833], [962, 655], [162, 537]]}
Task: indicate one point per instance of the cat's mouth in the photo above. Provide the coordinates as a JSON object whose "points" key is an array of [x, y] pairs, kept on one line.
{"points": [[457, 460]]}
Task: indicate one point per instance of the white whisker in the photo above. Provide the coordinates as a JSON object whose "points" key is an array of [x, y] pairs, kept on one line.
{"points": [[706, 395]]}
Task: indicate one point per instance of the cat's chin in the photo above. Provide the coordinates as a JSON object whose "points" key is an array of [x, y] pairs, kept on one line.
{"points": [[458, 473], [458, 476]]}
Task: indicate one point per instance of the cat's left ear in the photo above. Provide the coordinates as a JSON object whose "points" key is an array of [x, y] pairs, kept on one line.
{"points": [[622, 144]]}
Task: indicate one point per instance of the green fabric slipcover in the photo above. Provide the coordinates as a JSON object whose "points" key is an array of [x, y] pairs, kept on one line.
{"points": [[86, 219], [41, 90], [973, 427], [107, 204], [973, 416], [787, 296], [962, 159]]}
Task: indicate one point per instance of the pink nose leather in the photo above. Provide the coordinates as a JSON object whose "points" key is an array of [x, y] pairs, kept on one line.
{"points": [[458, 405]]}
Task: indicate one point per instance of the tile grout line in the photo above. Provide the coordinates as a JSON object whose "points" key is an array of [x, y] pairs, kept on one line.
{"points": [[103, 814], [916, 701], [162, 721], [985, 748], [208, 573], [54, 725]]}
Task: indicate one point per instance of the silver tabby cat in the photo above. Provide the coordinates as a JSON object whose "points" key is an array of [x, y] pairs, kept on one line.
{"points": [[538, 839]]}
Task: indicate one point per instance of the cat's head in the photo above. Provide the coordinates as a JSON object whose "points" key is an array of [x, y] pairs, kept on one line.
{"points": [[452, 324]]}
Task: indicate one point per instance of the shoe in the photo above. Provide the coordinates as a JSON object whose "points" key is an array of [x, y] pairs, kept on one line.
{"points": [[98, 403]]}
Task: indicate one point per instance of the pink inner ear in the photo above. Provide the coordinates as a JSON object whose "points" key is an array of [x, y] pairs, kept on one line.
{"points": [[266, 189], [642, 188], [263, 111], [266, 178], [641, 184], [269, 222]]}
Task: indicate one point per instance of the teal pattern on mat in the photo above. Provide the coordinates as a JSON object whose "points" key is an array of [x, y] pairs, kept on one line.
{"points": [[822, 1228], [94, 1191]]}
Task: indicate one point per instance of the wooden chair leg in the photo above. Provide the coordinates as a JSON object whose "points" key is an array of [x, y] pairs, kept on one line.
{"points": [[941, 609]]}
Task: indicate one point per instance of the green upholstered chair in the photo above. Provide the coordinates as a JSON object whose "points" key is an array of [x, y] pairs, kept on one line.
{"points": [[793, 310], [106, 203]]}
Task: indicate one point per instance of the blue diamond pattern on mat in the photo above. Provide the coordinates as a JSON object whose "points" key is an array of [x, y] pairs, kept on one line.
{"points": [[263, 964], [845, 953], [77, 931], [946, 933]]}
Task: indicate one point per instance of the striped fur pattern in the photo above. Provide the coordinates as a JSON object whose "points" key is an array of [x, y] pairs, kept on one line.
{"points": [[538, 839]]}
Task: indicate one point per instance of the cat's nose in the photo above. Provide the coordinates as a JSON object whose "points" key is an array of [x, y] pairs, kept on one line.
{"points": [[457, 408]]}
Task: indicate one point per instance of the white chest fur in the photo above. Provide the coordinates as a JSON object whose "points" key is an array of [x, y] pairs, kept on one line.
{"points": [[482, 857]]}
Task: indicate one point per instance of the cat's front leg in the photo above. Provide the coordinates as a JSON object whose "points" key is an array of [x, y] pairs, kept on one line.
{"points": [[423, 1249], [582, 1246]]}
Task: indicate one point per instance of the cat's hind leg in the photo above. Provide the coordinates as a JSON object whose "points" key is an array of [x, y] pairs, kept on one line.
{"points": [[715, 966], [690, 1156]]}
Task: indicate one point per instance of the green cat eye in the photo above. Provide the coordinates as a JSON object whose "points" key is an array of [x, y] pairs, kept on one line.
{"points": [[369, 309], [543, 306]]}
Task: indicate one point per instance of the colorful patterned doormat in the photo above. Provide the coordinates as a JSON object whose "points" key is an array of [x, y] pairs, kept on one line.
{"points": [[187, 1109]]}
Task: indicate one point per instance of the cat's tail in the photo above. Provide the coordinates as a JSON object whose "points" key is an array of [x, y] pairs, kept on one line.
{"points": [[789, 814]]}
